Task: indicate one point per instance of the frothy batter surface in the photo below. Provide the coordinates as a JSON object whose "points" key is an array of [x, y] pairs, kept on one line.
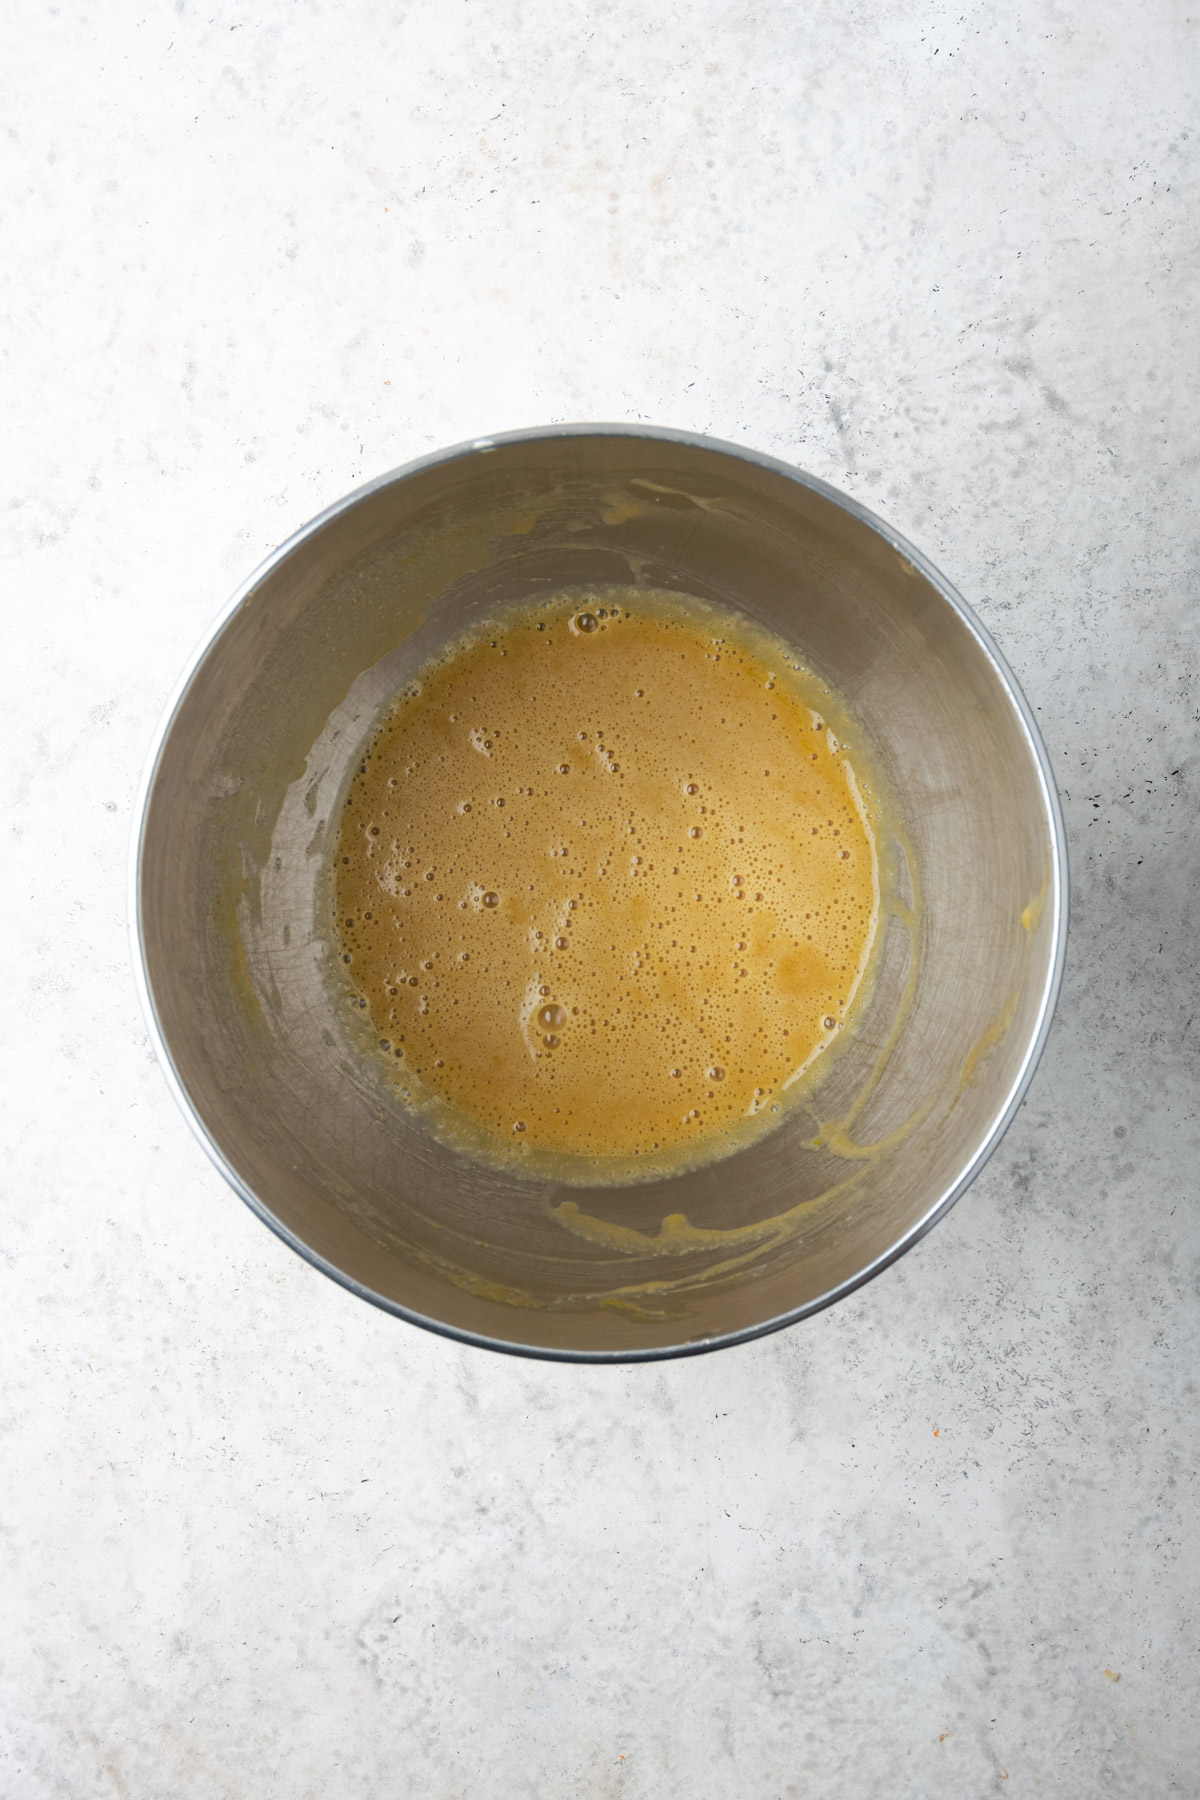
{"points": [[606, 882]]}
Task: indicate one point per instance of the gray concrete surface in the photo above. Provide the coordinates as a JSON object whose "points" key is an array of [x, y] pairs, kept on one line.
{"points": [[259, 1541]]}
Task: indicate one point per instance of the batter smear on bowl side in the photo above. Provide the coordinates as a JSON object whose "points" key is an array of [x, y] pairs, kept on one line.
{"points": [[606, 884]]}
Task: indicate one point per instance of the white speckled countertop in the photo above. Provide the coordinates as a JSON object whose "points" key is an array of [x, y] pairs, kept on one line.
{"points": [[260, 1542]]}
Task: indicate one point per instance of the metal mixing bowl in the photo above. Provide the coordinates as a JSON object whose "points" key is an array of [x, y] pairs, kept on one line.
{"points": [[242, 796]]}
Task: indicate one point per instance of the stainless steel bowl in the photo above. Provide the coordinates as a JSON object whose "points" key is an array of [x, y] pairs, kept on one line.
{"points": [[243, 791]]}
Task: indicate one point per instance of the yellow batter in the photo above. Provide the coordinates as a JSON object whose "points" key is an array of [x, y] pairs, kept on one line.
{"points": [[607, 882]]}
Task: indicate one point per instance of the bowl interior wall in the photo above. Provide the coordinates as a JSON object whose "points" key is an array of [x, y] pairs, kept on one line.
{"points": [[248, 789]]}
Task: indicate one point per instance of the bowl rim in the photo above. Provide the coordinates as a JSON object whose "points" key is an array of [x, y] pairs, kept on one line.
{"points": [[1057, 897]]}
